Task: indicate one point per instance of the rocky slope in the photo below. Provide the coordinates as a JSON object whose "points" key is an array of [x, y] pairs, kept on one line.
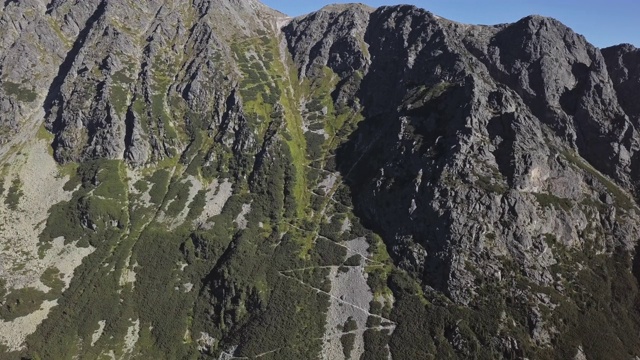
{"points": [[215, 180]]}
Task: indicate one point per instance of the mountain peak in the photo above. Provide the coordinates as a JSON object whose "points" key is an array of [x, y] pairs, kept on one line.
{"points": [[211, 179], [347, 7]]}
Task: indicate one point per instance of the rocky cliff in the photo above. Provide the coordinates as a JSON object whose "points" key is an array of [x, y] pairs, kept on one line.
{"points": [[215, 180]]}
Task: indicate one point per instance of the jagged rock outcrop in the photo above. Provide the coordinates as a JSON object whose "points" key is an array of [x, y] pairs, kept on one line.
{"points": [[226, 168], [490, 128], [622, 65]]}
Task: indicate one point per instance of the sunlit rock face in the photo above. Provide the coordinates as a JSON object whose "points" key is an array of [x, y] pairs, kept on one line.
{"points": [[214, 180]]}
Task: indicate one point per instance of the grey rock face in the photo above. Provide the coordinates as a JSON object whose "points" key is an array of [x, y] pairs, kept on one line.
{"points": [[108, 95], [332, 37], [483, 144], [499, 164], [623, 67], [496, 98]]}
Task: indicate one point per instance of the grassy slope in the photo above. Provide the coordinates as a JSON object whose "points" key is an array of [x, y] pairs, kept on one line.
{"points": [[127, 232], [239, 294]]}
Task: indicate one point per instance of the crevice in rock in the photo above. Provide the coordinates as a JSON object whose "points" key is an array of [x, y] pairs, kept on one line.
{"points": [[129, 123], [231, 108], [569, 99], [50, 6], [502, 134]]}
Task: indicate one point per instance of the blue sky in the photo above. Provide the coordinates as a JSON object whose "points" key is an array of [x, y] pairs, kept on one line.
{"points": [[602, 22]]}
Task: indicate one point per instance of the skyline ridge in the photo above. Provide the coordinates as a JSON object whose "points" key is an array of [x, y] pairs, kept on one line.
{"points": [[603, 24]]}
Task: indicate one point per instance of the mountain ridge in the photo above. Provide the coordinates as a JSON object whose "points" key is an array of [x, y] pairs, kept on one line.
{"points": [[351, 183]]}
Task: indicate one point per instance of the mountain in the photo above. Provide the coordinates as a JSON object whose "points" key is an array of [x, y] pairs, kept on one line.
{"points": [[214, 180]]}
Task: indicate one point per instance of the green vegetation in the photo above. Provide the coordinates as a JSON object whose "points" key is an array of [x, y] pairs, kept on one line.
{"points": [[266, 93], [622, 200], [489, 184], [331, 230], [120, 90], [350, 325], [264, 287], [375, 345], [3, 288], [197, 204], [98, 214], [160, 181], [315, 277], [373, 321], [22, 302], [549, 200], [436, 90], [19, 92], [98, 206], [600, 312], [15, 193], [354, 260], [348, 341], [107, 176], [327, 253], [177, 197], [419, 96], [255, 286], [314, 144], [120, 98], [44, 134], [52, 278], [141, 186]]}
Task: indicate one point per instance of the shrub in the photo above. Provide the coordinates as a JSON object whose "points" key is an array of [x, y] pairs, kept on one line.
{"points": [[348, 341], [15, 193], [354, 260], [160, 181], [22, 302], [549, 200]]}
